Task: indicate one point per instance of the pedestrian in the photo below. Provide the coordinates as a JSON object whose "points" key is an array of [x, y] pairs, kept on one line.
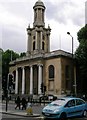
{"points": [[24, 103], [40, 100], [29, 109], [17, 101]]}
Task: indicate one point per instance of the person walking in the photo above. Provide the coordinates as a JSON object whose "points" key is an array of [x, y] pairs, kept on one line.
{"points": [[17, 101], [24, 103]]}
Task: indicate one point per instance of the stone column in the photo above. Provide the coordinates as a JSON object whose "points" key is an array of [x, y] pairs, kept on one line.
{"points": [[36, 42], [39, 78], [37, 15], [48, 38], [23, 80], [41, 41], [16, 82], [31, 79]]}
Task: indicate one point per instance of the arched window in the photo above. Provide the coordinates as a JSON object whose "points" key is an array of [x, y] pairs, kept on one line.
{"points": [[34, 45], [34, 37], [42, 45], [43, 37], [51, 71]]}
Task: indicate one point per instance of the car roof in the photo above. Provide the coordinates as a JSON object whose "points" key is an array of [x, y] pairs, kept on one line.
{"points": [[68, 98]]}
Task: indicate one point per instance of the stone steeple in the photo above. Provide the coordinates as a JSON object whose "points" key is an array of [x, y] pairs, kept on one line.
{"points": [[38, 36], [39, 10]]}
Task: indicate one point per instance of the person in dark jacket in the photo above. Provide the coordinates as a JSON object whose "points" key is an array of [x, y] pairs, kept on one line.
{"points": [[17, 101], [24, 103]]}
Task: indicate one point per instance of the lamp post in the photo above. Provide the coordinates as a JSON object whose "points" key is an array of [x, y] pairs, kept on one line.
{"points": [[72, 42], [7, 90], [7, 93], [73, 66]]}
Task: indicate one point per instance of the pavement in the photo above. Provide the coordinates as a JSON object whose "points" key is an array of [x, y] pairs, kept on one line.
{"points": [[37, 108], [23, 114]]}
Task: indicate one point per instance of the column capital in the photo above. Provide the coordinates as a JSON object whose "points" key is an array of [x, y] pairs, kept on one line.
{"points": [[40, 64], [16, 68], [22, 67], [30, 66]]}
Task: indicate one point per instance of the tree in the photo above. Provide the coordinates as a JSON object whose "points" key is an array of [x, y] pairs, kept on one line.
{"points": [[81, 57], [22, 54], [7, 56], [82, 34]]}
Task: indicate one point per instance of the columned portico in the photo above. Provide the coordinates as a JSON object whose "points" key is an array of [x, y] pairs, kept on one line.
{"points": [[39, 78], [23, 80], [16, 82], [32, 80]]}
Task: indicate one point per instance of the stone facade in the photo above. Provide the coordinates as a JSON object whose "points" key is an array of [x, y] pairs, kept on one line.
{"points": [[53, 69]]}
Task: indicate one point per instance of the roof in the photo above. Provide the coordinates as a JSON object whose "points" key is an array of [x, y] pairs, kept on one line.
{"points": [[53, 54], [69, 98], [39, 3]]}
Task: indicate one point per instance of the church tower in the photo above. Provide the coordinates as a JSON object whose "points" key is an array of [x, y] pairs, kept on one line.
{"points": [[38, 36]]}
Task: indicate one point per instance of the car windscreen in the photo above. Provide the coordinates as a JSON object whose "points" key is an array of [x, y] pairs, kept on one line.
{"points": [[59, 102]]}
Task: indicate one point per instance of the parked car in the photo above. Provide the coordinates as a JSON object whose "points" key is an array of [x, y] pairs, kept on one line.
{"points": [[65, 107], [43, 97], [48, 97], [51, 97]]}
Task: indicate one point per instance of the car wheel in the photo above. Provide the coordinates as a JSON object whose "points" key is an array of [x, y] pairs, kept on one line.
{"points": [[84, 113], [63, 116]]}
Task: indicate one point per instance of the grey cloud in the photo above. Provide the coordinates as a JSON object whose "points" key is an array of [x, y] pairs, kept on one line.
{"points": [[78, 19], [21, 9], [12, 39], [63, 11], [55, 11]]}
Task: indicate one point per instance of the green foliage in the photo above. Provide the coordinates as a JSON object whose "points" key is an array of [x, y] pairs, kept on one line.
{"points": [[7, 56], [0, 63], [22, 54], [82, 34], [81, 57], [81, 53]]}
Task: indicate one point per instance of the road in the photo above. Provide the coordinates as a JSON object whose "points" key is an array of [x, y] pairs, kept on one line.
{"points": [[13, 117], [36, 109]]}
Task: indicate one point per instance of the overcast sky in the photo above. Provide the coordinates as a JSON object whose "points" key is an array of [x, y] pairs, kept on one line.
{"points": [[61, 15]]}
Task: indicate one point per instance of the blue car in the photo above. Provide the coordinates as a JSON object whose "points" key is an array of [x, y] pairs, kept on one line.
{"points": [[66, 107]]}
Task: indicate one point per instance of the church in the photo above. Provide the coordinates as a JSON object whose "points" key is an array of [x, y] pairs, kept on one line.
{"points": [[53, 69]]}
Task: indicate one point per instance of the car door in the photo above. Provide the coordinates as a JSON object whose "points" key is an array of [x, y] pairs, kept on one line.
{"points": [[70, 108], [80, 106]]}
